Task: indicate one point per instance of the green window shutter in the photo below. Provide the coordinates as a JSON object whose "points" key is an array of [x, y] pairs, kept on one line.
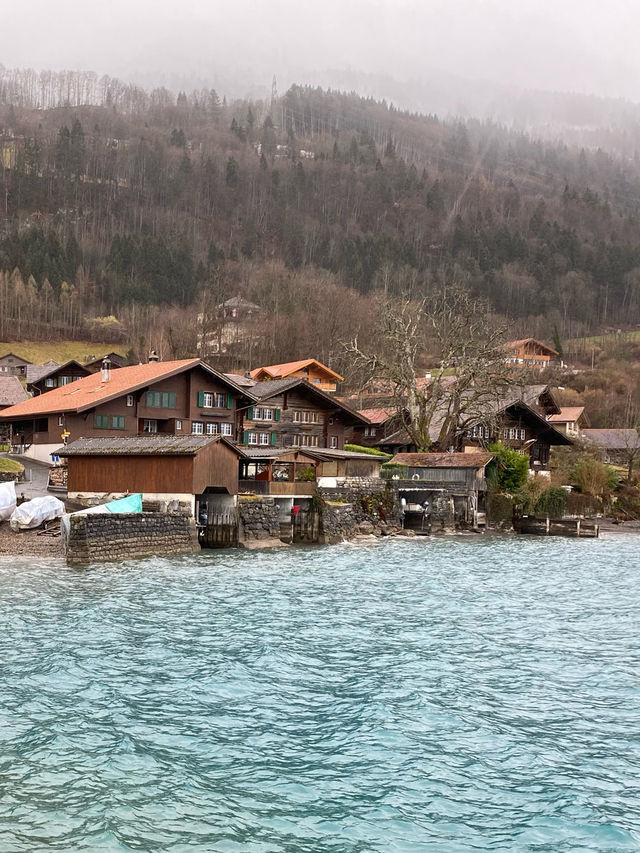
{"points": [[274, 438], [172, 400], [229, 401], [276, 414], [149, 398], [245, 437], [201, 398], [251, 413]]}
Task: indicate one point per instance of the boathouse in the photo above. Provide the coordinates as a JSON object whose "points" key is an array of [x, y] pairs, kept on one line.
{"points": [[164, 468]]}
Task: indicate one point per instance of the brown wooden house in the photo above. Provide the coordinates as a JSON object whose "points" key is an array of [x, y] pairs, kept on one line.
{"points": [[13, 365], [43, 378], [308, 368]]}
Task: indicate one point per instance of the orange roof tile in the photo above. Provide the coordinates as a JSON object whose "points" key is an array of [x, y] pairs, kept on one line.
{"points": [[89, 391], [279, 371], [377, 416], [517, 344], [567, 415]]}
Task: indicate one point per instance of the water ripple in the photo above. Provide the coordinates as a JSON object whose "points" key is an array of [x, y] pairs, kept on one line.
{"points": [[464, 694]]}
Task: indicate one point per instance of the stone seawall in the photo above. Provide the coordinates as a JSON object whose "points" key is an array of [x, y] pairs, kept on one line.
{"points": [[106, 537], [258, 519]]}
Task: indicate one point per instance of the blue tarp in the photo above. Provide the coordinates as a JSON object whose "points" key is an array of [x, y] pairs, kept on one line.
{"points": [[132, 503]]}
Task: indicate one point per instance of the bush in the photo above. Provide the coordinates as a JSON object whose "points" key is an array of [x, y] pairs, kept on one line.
{"points": [[389, 470], [356, 448], [529, 493], [592, 477], [552, 503], [508, 470], [307, 475]]}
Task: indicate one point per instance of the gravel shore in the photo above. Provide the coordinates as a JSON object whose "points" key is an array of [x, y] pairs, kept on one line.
{"points": [[28, 543]]}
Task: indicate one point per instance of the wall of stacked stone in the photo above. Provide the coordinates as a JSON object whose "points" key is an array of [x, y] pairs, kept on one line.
{"points": [[258, 519], [372, 500], [110, 537], [8, 476]]}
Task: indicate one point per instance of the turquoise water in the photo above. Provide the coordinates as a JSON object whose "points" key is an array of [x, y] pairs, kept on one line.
{"points": [[464, 694]]}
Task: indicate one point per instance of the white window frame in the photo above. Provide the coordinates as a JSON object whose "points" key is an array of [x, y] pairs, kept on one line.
{"points": [[150, 426], [49, 382], [334, 442], [252, 438], [265, 439], [217, 397], [207, 400], [61, 420], [226, 428], [197, 428], [261, 413], [131, 400], [178, 424], [211, 429]]}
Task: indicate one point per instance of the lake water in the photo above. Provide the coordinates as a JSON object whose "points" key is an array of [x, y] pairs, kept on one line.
{"points": [[470, 693]]}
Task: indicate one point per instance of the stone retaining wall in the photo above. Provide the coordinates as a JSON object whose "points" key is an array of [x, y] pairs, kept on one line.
{"points": [[106, 536], [258, 519]]}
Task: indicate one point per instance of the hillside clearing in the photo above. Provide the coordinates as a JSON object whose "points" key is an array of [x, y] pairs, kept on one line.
{"points": [[37, 352]]}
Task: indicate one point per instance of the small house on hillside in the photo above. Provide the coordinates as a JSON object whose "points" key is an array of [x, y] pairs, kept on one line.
{"points": [[313, 371], [46, 378], [570, 421], [117, 360], [617, 446], [13, 365], [187, 469], [529, 352]]}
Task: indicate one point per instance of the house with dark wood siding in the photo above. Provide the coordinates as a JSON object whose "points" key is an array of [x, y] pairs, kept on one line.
{"points": [[44, 378]]}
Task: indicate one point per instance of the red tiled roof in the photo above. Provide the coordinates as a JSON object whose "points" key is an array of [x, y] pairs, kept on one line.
{"points": [[89, 391], [443, 460], [280, 371], [377, 416], [567, 414], [523, 341]]}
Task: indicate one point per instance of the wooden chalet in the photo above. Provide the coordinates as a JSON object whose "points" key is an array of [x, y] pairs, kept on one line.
{"points": [[529, 352], [295, 413], [45, 377], [309, 368], [570, 421], [172, 397], [117, 360], [13, 365], [162, 467]]}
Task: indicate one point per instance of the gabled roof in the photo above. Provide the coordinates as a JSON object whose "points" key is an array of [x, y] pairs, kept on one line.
{"points": [[144, 445], [239, 302], [90, 391], [523, 341], [241, 380], [279, 371], [568, 414], [272, 387], [114, 357], [11, 391], [612, 439], [37, 371], [19, 357], [377, 416], [54, 369], [443, 460]]}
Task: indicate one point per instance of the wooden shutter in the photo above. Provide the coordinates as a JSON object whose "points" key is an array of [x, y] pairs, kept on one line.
{"points": [[200, 399], [229, 401], [276, 414], [274, 439], [245, 437], [251, 413]]}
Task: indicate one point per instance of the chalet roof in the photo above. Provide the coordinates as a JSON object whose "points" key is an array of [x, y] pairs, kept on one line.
{"points": [[272, 387], [278, 371], [242, 381], [533, 341], [35, 372], [240, 302], [114, 357], [90, 391], [53, 367], [612, 439], [11, 391], [328, 453], [568, 414], [443, 460], [13, 355], [144, 445], [377, 416]]}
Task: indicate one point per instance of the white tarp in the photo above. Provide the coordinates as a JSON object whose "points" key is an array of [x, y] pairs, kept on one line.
{"points": [[7, 500], [35, 512]]}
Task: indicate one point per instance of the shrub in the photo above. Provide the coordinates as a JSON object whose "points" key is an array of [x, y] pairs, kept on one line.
{"points": [[356, 448], [307, 475], [508, 470], [529, 493], [389, 470], [552, 502], [592, 477]]}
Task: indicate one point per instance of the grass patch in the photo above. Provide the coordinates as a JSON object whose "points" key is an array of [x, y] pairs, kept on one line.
{"points": [[37, 352], [356, 448], [10, 466]]}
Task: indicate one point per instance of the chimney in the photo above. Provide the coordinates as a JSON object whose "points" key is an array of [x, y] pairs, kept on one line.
{"points": [[105, 370], [153, 356]]}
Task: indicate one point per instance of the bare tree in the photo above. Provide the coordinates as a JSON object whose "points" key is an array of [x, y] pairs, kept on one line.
{"points": [[471, 375]]}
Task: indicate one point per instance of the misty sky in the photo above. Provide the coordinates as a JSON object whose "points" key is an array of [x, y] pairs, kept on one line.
{"points": [[585, 46]]}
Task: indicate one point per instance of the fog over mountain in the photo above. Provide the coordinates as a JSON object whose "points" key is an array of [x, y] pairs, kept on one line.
{"points": [[446, 56]]}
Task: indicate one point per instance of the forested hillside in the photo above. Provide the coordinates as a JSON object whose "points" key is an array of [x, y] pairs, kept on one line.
{"points": [[118, 202]]}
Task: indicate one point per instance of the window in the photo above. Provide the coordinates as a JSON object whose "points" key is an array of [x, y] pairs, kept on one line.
{"points": [[505, 433], [307, 440], [265, 438], [305, 417], [252, 437], [117, 422], [178, 424], [161, 399], [523, 434], [50, 382], [334, 442], [207, 400], [262, 414], [197, 428], [370, 431], [220, 401], [150, 425], [211, 429], [101, 421], [226, 429], [65, 380], [130, 400], [61, 420], [210, 400], [330, 421]]}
